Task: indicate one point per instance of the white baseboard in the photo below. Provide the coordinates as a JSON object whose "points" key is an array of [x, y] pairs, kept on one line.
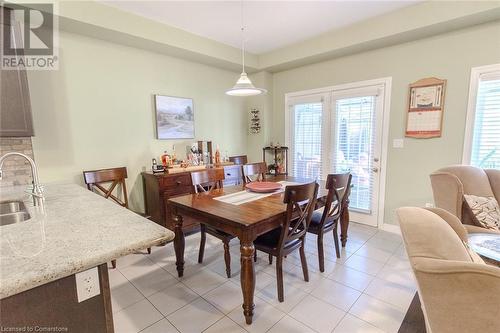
{"points": [[390, 228]]}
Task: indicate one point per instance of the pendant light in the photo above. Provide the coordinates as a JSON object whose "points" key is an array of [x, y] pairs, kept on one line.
{"points": [[244, 86]]}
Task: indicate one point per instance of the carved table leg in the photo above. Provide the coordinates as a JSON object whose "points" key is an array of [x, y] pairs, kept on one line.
{"points": [[344, 223], [179, 243], [247, 278]]}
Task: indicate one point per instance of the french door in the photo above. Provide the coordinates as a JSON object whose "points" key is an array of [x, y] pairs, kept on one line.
{"points": [[337, 131]]}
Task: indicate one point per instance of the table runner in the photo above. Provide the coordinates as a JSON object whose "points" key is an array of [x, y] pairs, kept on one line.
{"points": [[241, 197]]}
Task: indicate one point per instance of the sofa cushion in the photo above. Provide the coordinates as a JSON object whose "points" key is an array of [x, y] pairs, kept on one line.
{"points": [[485, 209]]}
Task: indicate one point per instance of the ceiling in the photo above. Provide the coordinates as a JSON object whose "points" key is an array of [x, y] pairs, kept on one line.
{"points": [[269, 25]]}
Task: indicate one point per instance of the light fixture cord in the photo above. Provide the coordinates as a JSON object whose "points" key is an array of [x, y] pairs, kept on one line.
{"points": [[242, 39]]}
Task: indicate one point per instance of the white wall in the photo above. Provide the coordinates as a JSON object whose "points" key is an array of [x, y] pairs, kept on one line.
{"points": [[97, 110]]}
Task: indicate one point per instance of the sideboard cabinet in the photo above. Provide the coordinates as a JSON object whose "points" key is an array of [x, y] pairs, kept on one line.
{"points": [[159, 187]]}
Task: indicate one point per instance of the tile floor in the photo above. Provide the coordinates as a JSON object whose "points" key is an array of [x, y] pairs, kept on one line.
{"points": [[367, 290]]}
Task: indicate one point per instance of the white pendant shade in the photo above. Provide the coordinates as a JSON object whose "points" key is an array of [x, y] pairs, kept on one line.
{"points": [[244, 87]]}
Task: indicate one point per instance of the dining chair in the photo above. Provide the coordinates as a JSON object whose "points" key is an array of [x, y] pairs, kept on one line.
{"points": [[300, 201], [97, 181], [327, 219], [239, 160], [205, 181], [254, 169]]}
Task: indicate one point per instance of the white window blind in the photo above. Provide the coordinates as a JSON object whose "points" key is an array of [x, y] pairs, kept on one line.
{"points": [[354, 142], [485, 148], [306, 139]]}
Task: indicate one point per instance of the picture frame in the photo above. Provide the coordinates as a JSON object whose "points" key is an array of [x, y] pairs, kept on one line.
{"points": [[174, 117], [425, 108]]}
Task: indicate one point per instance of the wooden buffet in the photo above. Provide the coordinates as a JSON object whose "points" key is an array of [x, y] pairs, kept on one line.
{"points": [[159, 187]]}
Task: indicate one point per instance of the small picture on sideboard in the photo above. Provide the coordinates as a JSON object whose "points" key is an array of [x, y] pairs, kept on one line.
{"points": [[174, 117]]}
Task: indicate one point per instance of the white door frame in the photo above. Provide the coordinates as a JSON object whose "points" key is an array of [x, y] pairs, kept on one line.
{"points": [[387, 83]]}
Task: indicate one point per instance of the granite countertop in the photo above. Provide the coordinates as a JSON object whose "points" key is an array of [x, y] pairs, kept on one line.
{"points": [[76, 230]]}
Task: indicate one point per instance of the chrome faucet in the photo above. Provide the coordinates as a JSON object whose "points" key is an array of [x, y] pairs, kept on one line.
{"points": [[36, 191]]}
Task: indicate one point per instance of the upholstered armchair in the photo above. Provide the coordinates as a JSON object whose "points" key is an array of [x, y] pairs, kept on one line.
{"points": [[457, 290], [451, 183]]}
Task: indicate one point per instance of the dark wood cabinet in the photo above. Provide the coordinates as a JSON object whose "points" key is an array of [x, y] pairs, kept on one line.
{"points": [[159, 187], [15, 107]]}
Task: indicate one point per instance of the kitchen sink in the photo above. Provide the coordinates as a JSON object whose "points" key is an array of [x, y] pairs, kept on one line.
{"points": [[12, 212]]}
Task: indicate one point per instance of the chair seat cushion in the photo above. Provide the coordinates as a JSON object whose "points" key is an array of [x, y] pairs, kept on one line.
{"points": [[314, 225], [271, 239]]}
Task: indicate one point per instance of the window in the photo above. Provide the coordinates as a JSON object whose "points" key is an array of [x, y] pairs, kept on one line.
{"points": [[482, 137], [306, 144]]}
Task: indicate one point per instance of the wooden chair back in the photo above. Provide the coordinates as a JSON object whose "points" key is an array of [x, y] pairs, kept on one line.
{"points": [[301, 201], [254, 169], [207, 180], [96, 180], [339, 188], [240, 159]]}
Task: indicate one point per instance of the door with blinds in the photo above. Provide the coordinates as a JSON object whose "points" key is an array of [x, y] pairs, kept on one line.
{"points": [[340, 131], [356, 125]]}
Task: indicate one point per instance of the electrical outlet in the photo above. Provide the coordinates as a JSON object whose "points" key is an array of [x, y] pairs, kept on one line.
{"points": [[87, 284], [398, 143]]}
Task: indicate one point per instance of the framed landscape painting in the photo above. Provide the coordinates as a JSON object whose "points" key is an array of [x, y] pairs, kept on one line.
{"points": [[174, 117]]}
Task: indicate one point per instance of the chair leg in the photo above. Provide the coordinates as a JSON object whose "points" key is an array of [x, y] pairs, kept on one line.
{"points": [[202, 243], [149, 250], [321, 253], [279, 277], [113, 263], [303, 261], [336, 240], [227, 259], [270, 259]]}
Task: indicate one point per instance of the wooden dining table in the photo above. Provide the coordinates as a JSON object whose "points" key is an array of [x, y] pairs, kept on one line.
{"points": [[246, 221]]}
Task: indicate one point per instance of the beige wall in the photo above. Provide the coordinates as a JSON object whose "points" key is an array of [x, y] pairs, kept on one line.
{"points": [[97, 110], [448, 56]]}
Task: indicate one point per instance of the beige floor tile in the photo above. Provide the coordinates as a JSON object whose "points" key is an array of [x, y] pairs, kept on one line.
{"points": [[380, 314], [371, 252], [313, 264], [289, 325], [403, 276], [351, 324], [136, 317], [172, 298], [392, 293], [225, 297], [203, 281], [195, 316], [265, 316], [153, 281], [317, 314], [336, 294], [383, 243], [292, 296], [225, 325], [124, 296], [365, 265], [162, 326], [116, 278], [398, 262], [351, 277]]}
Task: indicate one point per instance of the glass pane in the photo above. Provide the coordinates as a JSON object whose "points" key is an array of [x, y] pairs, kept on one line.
{"points": [[307, 140], [354, 137], [486, 138]]}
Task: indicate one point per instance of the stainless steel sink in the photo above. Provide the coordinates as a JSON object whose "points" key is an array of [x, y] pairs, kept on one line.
{"points": [[12, 212]]}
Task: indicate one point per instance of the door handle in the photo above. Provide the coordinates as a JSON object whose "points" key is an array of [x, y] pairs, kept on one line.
{"points": [[375, 170]]}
